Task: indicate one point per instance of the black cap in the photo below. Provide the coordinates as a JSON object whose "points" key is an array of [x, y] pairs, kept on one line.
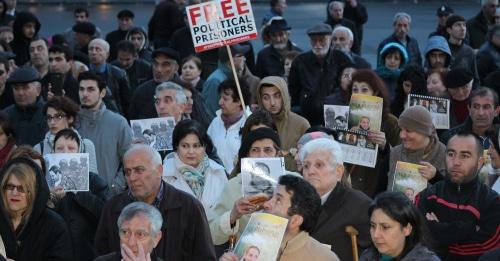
{"points": [[444, 10], [457, 78], [23, 74], [84, 28], [7, 55], [278, 24], [125, 13], [171, 53], [319, 29]]}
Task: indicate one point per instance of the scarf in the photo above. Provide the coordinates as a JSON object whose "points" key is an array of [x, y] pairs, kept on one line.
{"points": [[230, 120], [4, 152], [386, 73], [194, 177]]}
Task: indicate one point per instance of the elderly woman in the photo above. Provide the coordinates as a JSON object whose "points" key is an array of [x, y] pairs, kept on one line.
{"points": [[61, 113], [364, 178], [81, 210], [28, 228], [189, 168], [419, 145], [232, 211], [323, 167], [398, 230]]}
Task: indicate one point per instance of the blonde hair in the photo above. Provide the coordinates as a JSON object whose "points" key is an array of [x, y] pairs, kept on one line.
{"points": [[27, 177]]}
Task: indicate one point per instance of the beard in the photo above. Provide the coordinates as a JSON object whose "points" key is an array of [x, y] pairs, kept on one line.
{"points": [[279, 46], [321, 52]]}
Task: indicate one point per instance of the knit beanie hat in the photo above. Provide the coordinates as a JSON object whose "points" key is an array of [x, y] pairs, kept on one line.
{"points": [[312, 136], [418, 119], [257, 134], [457, 78], [453, 19]]}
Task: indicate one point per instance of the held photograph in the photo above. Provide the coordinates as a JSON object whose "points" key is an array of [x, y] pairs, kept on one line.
{"points": [[156, 132], [68, 170]]}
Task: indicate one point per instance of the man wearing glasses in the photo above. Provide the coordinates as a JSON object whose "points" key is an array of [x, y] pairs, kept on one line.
{"points": [[26, 114]]}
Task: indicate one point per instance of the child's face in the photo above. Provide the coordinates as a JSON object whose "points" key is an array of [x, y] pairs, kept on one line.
{"points": [[393, 60], [288, 64], [364, 123]]}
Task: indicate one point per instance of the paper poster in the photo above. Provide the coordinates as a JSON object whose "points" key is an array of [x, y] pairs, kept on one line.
{"points": [[408, 180], [438, 107], [260, 175], [261, 239], [68, 170], [156, 132], [336, 116]]}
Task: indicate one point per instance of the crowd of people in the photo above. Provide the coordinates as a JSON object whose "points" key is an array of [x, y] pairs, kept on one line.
{"points": [[77, 91]]}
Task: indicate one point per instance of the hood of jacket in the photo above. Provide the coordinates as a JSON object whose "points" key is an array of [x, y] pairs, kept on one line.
{"points": [[23, 18], [280, 83], [39, 204], [438, 42], [141, 30], [390, 46]]}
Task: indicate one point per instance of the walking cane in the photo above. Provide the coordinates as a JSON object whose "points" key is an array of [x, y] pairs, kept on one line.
{"points": [[353, 233]]}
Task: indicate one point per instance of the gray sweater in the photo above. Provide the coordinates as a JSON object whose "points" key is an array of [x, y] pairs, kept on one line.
{"points": [[112, 137]]}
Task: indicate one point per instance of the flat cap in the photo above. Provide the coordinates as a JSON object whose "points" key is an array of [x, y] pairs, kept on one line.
{"points": [[319, 29], [23, 74], [84, 28], [169, 52]]}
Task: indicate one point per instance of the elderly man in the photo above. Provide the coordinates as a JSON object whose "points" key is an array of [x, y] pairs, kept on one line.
{"points": [[296, 200], [342, 39], [165, 65], [401, 24], [314, 74], [270, 59], [323, 167], [462, 212], [477, 27], [26, 114], [186, 235], [139, 229], [115, 78], [335, 17], [483, 108], [170, 100]]}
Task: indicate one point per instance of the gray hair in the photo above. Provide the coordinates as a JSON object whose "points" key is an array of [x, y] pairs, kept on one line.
{"points": [[401, 15], [485, 2], [336, 2], [138, 208], [153, 154], [100, 42], [344, 29], [180, 96], [323, 144]]}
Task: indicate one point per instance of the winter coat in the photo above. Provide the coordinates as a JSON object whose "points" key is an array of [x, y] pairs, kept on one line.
{"points": [[411, 47], [113, 38], [142, 102], [70, 87], [20, 45], [112, 137], [343, 207], [304, 247], [270, 62], [44, 236], [46, 146], [463, 56], [144, 52], [81, 211], [469, 218], [488, 60], [140, 72], [417, 253], [215, 179], [290, 125], [391, 76], [359, 16], [167, 18], [477, 28], [186, 235], [29, 122], [118, 86]]}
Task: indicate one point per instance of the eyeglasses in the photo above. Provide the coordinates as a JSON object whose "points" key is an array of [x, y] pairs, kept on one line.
{"points": [[11, 187], [138, 234], [56, 117]]}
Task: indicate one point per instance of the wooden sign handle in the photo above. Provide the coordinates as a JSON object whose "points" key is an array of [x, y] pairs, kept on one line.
{"points": [[235, 75]]}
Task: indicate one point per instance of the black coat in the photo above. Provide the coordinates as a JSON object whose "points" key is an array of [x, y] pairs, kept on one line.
{"points": [[271, 63], [113, 38], [142, 103], [29, 122], [82, 211], [186, 235], [20, 45], [118, 89], [139, 73], [44, 236], [70, 87]]}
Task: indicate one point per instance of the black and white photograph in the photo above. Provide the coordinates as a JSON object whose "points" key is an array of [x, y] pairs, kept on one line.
{"points": [[68, 170], [336, 116], [156, 132], [438, 107], [260, 175]]}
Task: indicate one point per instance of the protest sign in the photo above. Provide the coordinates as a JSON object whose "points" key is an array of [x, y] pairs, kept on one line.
{"points": [[68, 170], [215, 24], [156, 132]]}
